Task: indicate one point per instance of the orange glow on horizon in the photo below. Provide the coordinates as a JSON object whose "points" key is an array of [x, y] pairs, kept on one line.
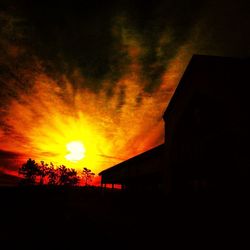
{"points": [[45, 120], [45, 123]]}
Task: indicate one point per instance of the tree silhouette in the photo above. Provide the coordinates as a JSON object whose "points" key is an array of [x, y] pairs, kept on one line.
{"points": [[73, 177], [87, 175], [62, 172], [67, 176], [49, 174], [29, 170], [42, 171], [52, 175]]}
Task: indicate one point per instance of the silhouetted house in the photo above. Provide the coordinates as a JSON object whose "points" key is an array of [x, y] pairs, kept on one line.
{"points": [[142, 172], [207, 129]]}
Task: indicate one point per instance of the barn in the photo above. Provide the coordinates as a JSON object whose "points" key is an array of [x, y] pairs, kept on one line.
{"points": [[207, 133], [142, 172]]}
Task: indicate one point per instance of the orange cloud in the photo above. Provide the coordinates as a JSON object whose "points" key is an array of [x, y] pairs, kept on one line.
{"points": [[44, 118]]}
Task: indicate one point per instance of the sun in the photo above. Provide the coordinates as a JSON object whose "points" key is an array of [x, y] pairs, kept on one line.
{"points": [[77, 151]]}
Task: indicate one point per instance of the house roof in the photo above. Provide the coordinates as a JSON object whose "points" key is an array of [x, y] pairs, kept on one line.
{"points": [[154, 152]]}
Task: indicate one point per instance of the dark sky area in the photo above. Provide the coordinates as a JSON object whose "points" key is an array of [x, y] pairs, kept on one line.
{"points": [[81, 33], [95, 44]]}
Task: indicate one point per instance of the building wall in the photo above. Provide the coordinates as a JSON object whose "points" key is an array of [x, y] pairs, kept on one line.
{"points": [[142, 172], [207, 150]]}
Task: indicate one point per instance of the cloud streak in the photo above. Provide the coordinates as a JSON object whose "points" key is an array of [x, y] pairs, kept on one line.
{"points": [[103, 77]]}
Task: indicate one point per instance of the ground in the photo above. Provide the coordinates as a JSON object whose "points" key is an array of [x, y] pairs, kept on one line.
{"points": [[42, 217]]}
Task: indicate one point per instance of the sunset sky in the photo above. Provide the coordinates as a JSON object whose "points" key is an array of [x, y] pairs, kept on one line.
{"points": [[101, 73]]}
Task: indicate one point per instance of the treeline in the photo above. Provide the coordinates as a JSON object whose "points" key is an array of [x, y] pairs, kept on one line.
{"points": [[48, 174]]}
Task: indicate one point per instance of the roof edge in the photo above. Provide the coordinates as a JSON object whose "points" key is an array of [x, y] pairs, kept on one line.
{"points": [[132, 158], [195, 59]]}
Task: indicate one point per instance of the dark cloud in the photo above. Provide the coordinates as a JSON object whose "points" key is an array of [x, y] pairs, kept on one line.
{"points": [[8, 155], [70, 34], [8, 180], [9, 160], [127, 49], [224, 28], [164, 26]]}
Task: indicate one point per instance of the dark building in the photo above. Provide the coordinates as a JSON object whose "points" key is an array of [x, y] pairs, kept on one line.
{"points": [[142, 172], [207, 133]]}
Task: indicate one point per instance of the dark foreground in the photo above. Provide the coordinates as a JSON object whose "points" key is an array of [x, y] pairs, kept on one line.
{"points": [[47, 218]]}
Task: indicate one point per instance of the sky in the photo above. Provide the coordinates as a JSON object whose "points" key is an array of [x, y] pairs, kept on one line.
{"points": [[101, 73]]}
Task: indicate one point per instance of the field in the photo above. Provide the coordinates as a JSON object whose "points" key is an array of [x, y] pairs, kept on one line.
{"points": [[42, 217]]}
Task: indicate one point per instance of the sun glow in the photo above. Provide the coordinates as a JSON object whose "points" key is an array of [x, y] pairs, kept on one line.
{"points": [[79, 128], [68, 124], [77, 151]]}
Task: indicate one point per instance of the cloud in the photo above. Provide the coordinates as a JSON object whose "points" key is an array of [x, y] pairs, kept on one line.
{"points": [[115, 115], [103, 74], [9, 161]]}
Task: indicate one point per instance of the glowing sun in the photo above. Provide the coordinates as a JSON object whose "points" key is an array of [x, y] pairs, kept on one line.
{"points": [[77, 151]]}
